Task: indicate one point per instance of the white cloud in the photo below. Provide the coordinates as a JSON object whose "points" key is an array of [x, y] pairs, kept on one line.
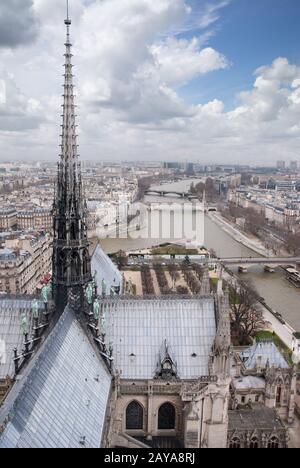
{"points": [[129, 65], [211, 13], [17, 113], [179, 61], [2, 91]]}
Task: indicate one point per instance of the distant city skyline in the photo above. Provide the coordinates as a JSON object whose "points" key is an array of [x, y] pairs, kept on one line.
{"points": [[202, 81]]}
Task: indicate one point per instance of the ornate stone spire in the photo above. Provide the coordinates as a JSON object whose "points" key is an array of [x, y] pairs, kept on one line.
{"points": [[221, 348], [71, 259], [166, 366], [205, 284]]}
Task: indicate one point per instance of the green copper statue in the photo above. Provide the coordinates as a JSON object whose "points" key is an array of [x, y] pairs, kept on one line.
{"points": [[45, 293], [102, 325], [89, 294], [96, 309], [95, 277], [24, 324], [35, 309], [104, 287]]}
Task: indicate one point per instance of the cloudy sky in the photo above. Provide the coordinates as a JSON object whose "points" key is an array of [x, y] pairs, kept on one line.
{"points": [[215, 80]]}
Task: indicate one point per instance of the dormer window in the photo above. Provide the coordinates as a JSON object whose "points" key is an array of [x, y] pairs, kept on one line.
{"points": [[167, 365]]}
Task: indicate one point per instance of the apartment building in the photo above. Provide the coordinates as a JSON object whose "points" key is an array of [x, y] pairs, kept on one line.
{"points": [[40, 220], [24, 262], [8, 219]]}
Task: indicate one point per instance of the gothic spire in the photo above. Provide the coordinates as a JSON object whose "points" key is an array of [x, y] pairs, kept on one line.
{"points": [[71, 260], [69, 156]]}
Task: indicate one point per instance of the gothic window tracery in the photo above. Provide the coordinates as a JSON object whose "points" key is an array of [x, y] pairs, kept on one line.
{"points": [[254, 443], [278, 395], [235, 443], [134, 416], [273, 443], [166, 417]]}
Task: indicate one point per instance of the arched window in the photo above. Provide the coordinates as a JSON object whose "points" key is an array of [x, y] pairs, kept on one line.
{"points": [[166, 416], [235, 443], [134, 416], [86, 262], [278, 395], [254, 443], [273, 443]]}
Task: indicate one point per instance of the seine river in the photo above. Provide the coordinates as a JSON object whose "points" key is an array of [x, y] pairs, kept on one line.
{"points": [[277, 291]]}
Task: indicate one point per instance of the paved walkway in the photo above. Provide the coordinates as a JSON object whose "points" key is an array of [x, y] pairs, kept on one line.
{"points": [[285, 332]]}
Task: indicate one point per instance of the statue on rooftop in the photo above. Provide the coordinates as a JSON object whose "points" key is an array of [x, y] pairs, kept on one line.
{"points": [[111, 348], [24, 324], [104, 287], [96, 309], [35, 309], [102, 325], [95, 277], [45, 293], [89, 294]]}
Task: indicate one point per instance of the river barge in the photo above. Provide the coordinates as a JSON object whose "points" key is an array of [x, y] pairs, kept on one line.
{"points": [[293, 276]]}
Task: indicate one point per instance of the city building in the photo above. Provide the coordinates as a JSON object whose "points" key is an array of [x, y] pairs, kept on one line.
{"points": [[281, 165], [39, 219], [286, 185], [8, 219], [294, 165], [24, 262]]}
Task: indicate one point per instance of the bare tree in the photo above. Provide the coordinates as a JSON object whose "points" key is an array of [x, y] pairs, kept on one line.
{"points": [[293, 242], [174, 274], [147, 281], [246, 313]]}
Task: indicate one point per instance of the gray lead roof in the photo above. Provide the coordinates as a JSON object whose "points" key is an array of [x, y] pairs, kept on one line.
{"points": [[106, 270], [265, 351], [138, 328], [11, 335], [62, 401]]}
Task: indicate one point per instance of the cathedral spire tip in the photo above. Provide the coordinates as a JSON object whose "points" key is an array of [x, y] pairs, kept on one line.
{"points": [[68, 22]]}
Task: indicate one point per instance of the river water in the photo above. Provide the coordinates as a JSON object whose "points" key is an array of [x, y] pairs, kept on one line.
{"points": [[277, 291]]}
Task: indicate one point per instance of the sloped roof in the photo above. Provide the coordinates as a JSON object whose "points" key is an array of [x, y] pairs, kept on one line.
{"points": [[11, 335], [248, 381], [259, 417], [61, 402], [267, 351], [138, 328], [106, 270]]}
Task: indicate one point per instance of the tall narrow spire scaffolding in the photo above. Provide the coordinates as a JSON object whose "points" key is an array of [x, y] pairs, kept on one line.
{"points": [[71, 259]]}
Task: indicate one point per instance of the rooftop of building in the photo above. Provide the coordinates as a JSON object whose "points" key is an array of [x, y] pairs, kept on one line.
{"points": [[139, 327], [263, 353], [60, 399], [7, 211], [106, 271], [10, 255], [248, 382], [258, 418], [11, 334]]}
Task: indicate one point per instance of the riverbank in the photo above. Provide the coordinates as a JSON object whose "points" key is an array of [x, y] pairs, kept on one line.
{"points": [[251, 243], [283, 330]]}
